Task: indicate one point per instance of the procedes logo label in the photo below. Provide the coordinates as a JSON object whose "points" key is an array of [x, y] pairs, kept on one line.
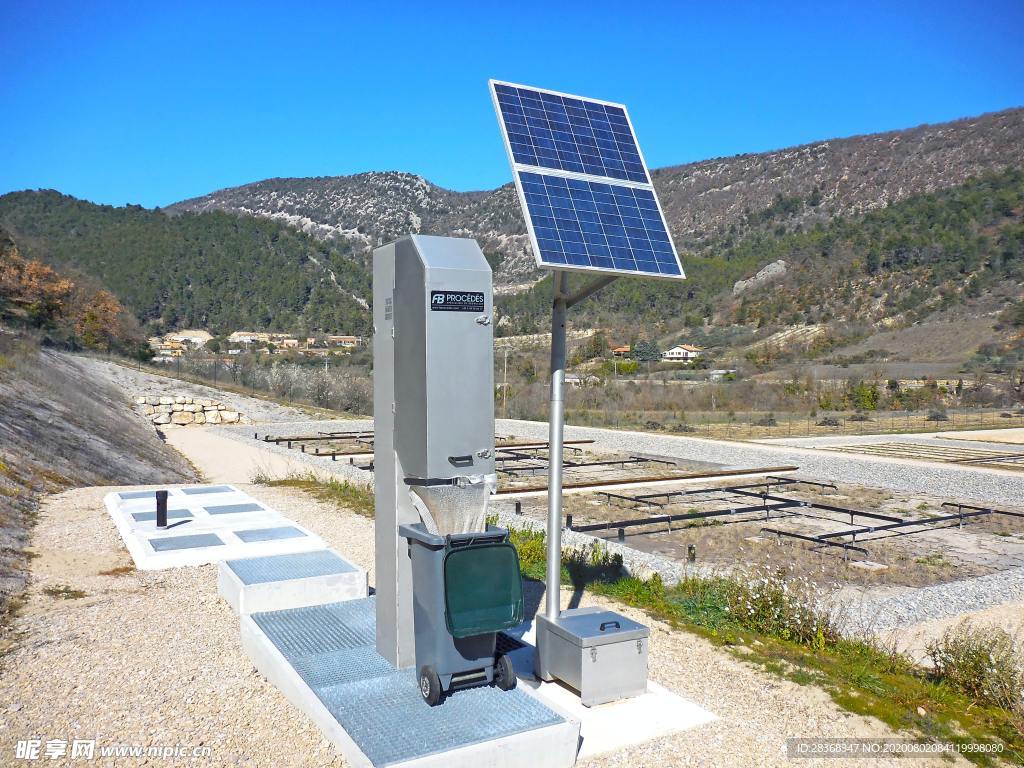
{"points": [[456, 301]]}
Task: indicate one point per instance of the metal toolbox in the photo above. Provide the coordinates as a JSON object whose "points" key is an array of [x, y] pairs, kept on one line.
{"points": [[600, 653]]}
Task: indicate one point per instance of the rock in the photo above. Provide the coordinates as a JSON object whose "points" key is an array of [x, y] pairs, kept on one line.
{"points": [[164, 400], [177, 407], [869, 566], [199, 418], [180, 399], [213, 417], [192, 408], [212, 408], [152, 400], [162, 418], [766, 274], [148, 410], [164, 408], [221, 407], [181, 417], [140, 400], [229, 417]]}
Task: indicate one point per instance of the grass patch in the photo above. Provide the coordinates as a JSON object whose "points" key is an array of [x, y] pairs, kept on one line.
{"points": [[771, 620], [349, 496], [63, 592]]}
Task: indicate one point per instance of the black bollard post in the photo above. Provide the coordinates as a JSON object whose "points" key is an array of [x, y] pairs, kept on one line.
{"points": [[691, 553], [161, 509], [622, 534]]}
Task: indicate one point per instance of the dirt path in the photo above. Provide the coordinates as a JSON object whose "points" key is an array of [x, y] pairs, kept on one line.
{"points": [[223, 460]]}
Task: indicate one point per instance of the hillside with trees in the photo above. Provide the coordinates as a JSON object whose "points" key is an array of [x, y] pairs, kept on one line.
{"points": [[212, 270], [63, 312], [893, 265]]}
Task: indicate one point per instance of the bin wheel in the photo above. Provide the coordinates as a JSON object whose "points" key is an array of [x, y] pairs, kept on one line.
{"points": [[504, 673], [430, 686]]}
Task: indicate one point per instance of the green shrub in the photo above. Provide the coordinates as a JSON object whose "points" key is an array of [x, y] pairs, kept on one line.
{"points": [[774, 603], [982, 663]]}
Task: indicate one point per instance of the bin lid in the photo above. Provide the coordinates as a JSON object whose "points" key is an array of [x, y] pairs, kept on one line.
{"points": [[483, 589], [587, 627]]}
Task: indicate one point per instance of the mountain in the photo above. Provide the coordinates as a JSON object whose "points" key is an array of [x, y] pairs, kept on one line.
{"points": [[705, 202], [214, 270], [960, 247], [363, 211], [880, 229]]}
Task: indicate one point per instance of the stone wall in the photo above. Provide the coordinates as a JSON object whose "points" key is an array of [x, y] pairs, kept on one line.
{"points": [[183, 410]]}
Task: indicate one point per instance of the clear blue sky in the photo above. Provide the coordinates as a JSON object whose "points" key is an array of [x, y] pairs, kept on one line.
{"points": [[150, 103]]}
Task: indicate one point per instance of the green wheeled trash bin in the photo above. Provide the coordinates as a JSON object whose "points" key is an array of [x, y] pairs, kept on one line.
{"points": [[466, 588]]}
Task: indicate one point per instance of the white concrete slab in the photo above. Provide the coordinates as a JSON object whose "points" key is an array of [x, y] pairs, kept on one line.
{"points": [[618, 724], [551, 746], [253, 585], [206, 524]]}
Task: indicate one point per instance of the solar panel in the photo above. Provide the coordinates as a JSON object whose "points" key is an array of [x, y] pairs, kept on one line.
{"points": [[584, 188]]}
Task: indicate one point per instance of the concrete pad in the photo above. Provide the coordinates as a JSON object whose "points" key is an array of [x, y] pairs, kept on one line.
{"points": [[206, 524], [626, 723], [276, 582], [322, 659], [618, 724]]}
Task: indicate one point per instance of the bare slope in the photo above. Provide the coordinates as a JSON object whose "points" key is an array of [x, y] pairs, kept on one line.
{"points": [[61, 428]]}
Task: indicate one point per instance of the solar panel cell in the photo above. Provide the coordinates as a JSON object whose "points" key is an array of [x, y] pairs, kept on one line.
{"points": [[552, 131], [608, 220], [592, 224]]}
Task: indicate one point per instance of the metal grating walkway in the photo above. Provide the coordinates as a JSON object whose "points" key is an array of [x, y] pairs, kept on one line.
{"points": [[331, 647], [269, 534], [186, 542], [234, 509], [199, 490], [304, 565]]}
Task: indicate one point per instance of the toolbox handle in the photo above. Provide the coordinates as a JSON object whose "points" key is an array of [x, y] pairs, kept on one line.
{"points": [[606, 624], [461, 461]]}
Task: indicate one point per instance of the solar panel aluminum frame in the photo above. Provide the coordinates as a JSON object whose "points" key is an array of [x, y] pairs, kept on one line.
{"points": [[518, 168]]}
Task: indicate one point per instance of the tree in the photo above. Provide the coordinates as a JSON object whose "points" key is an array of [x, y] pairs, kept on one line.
{"points": [[99, 320], [645, 351]]}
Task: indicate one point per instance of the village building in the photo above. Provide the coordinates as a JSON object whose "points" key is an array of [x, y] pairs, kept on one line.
{"points": [[681, 353]]}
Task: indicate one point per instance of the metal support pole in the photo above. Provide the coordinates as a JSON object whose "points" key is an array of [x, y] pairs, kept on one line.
{"points": [[556, 428], [161, 509]]}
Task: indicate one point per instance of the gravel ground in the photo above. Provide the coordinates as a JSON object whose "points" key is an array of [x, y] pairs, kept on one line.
{"points": [[135, 382], [90, 668], [960, 483], [980, 486], [945, 441], [879, 611], [914, 639], [876, 609]]}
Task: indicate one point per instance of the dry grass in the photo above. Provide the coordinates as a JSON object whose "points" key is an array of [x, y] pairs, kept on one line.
{"points": [[343, 494], [63, 592], [121, 570]]}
